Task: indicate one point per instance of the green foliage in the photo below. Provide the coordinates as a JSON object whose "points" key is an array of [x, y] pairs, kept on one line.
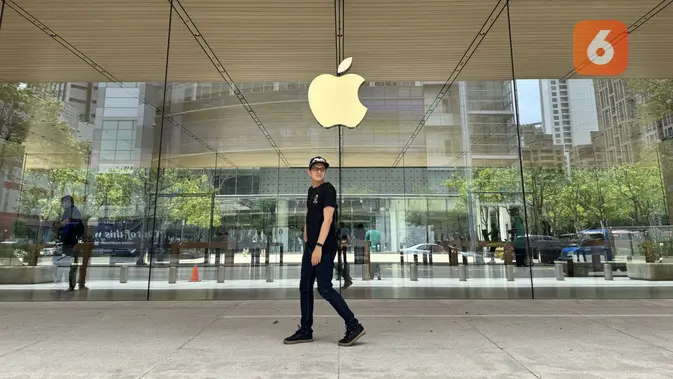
{"points": [[120, 195], [657, 95], [566, 202], [31, 123]]}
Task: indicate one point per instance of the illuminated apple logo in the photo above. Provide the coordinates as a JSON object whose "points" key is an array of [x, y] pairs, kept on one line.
{"points": [[334, 99]]}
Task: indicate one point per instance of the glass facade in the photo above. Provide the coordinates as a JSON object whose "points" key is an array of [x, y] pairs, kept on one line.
{"points": [[182, 133]]}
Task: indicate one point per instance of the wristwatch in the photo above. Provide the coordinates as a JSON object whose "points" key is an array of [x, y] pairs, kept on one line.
{"points": [[318, 244]]}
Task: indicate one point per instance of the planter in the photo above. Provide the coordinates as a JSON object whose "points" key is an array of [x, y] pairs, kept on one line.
{"points": [[649, 271], [26, 274]]}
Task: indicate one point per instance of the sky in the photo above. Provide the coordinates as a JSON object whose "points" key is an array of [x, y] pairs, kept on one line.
{"points": [[529, 101]]}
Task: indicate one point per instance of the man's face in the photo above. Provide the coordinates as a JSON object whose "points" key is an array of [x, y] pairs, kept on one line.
{"points": [[317, 172], [65, 203]]}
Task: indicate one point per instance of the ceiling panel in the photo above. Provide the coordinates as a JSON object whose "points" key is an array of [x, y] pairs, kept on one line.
{"points": [[543, 37], [267, 40], [28, 55], [411, 40], [127, 38], [293, 40]]}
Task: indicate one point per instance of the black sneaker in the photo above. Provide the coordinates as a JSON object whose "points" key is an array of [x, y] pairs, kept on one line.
{"points": [[300, 336], [352, 335]]}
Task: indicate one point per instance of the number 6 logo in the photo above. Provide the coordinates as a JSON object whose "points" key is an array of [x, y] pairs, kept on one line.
{"points": [[600, 47], [600, 51]]}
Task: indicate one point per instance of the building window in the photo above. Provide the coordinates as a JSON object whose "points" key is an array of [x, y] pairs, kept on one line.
{"points": [[446, 105]]}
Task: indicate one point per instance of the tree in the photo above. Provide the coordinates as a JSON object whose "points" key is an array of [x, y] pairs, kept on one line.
{"points": [[560, 202], [31, 125], [656, 95], [490, 188], [640, 193]]}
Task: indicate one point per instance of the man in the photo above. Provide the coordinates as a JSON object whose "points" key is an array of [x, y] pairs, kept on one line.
{"points": [[373, 239], [70, 228], [519, 237], [343, 269], [320, 248]]}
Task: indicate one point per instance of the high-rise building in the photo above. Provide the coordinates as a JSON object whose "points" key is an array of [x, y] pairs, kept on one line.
{"points": [[538, 148], [568, 111], [626, 137]]}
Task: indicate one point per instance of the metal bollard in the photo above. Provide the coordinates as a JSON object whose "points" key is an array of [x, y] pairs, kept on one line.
{"points": [[462, 273], [571, 267], [366, 273], [413, 272], [124, 274], [220, 274], [269, 273], [172, 275], [559, 271], [607, 271], [509, 272], [425, 259], [402, 258]]}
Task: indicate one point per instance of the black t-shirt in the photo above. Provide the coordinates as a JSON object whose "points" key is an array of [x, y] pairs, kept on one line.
{"points": [[318, 198]]}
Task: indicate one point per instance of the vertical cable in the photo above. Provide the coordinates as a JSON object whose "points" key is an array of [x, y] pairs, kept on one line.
{"points": [[2, 12], [161, 140], [339, 56], [520, 150]]}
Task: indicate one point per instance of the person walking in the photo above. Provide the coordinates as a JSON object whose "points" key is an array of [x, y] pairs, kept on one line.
{"points": [[320, 249], [70, 228]]}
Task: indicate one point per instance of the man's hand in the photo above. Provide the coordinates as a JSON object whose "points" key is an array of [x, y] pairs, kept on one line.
{"points": [[316, 256]]}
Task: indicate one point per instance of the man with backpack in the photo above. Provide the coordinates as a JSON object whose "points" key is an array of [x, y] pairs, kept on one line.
{"points": [[70, 228]]}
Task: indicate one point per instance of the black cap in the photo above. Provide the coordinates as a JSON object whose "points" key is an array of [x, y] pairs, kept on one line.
{"points": [[315, 160]]}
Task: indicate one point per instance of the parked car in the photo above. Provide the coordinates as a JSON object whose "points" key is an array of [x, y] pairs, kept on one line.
{"points": [[543, 248], [424, 249], [593, 240], [52, 250]]}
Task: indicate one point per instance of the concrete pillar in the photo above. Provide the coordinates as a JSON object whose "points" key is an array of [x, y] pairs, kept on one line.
{"points": [[124, 274], [607, 271], [509, 273], [462, 273], [366, 272], [413, 272], [281, 231], [559, 271], [172, 275], [220, 274], [269, 273]]}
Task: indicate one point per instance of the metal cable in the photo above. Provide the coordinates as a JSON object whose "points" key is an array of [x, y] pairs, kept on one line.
{"points": [[201, 40], [60, 40], [485, 28]]}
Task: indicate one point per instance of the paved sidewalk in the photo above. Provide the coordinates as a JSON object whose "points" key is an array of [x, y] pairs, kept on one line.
{"points": [[516, 339]]}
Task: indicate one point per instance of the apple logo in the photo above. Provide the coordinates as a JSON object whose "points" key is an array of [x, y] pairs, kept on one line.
{"points": [[334, 99]]}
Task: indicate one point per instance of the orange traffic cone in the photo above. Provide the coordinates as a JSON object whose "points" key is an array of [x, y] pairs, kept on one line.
{"points": [[195, 274]]}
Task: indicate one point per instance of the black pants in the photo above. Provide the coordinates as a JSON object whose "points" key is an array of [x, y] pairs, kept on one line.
{"points": [[70, 251], [520, 256], [342, 267], [322, 272]]}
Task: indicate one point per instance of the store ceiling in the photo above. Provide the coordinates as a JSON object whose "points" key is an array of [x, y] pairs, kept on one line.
{"points": [[294, 40]]}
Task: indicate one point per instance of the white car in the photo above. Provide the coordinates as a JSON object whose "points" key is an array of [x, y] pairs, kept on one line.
{"points": [[424, 248], [51, 251]]}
